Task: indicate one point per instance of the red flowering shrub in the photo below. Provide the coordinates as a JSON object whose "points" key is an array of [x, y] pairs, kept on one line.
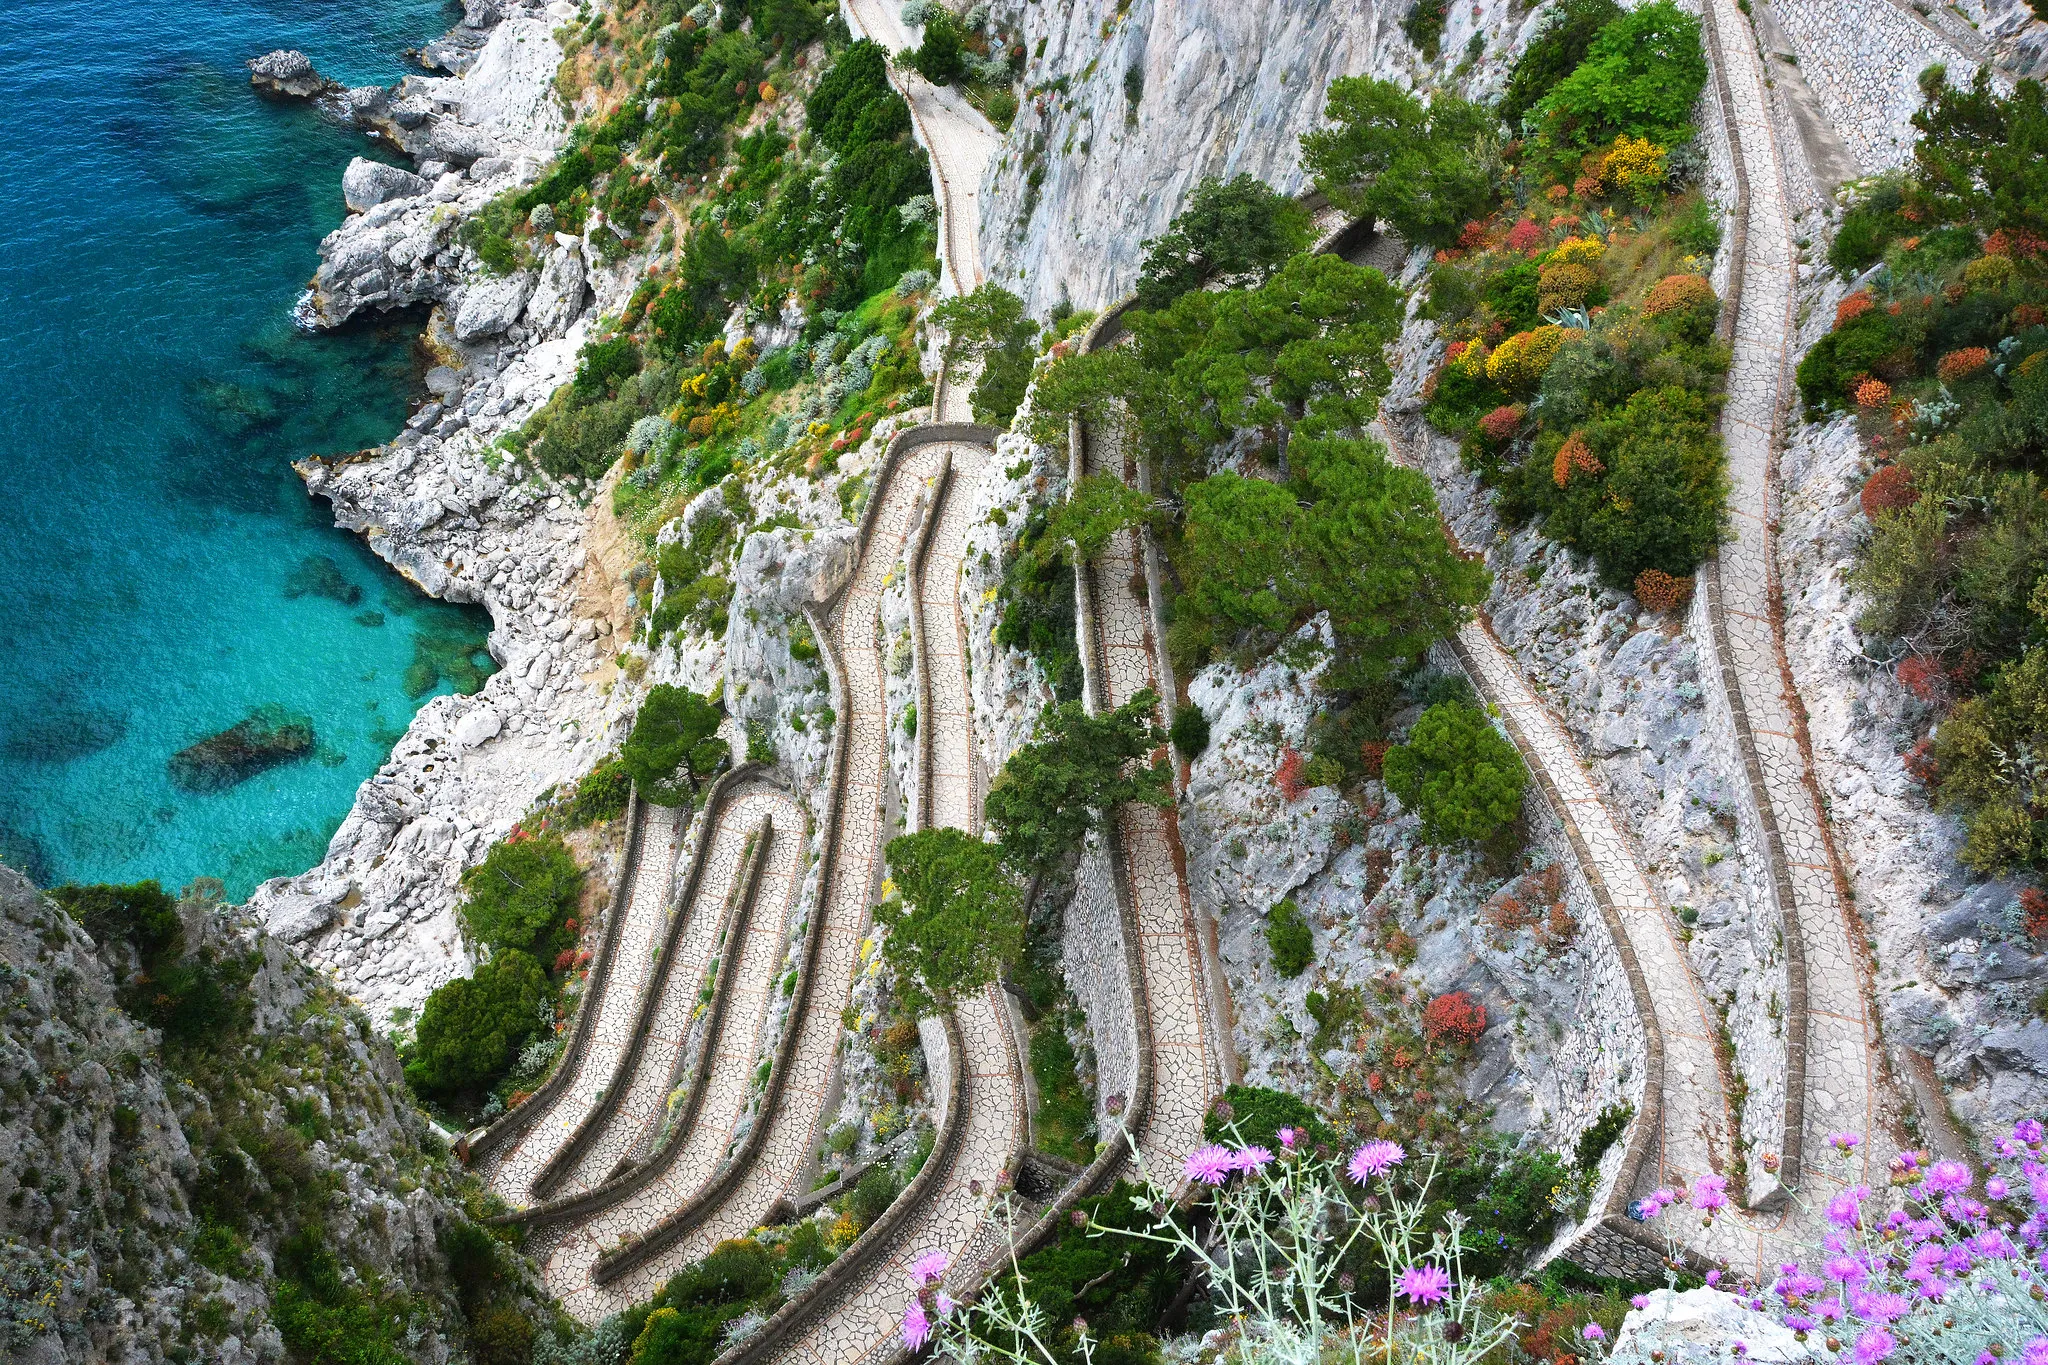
{"points": [[1924, 677], [2014, 242], [1873, 394], [1502, 423], [1372, 756], [1960, 365], [1890, 489], [1661, 592], [2034, 910], [1525, 236], [1288, 775], [1473, 237], [2029, 315], [1853, 307], [1918, 762], [1455, 1020]]}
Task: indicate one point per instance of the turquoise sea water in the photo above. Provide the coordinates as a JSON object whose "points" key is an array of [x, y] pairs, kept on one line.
{"points": [[162, 572]]}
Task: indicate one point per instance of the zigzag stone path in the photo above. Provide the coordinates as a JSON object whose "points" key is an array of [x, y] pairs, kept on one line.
{"points": [[648, 885], [652, 1091]]}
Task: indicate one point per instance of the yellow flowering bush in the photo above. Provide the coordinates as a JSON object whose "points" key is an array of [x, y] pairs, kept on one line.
{"points": [[1634, 164], [1519, 362], [1564, 286], [1577, 251]]}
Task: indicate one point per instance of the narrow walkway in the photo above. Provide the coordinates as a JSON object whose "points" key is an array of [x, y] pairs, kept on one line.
{"points": [[1188, 1072], [1839, 1062]]}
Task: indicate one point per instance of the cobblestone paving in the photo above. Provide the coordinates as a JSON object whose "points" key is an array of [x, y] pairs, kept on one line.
{"points": [[653, 1089], [1187, 1072], [957, 1217], [1841, 1091], [646, 903]]}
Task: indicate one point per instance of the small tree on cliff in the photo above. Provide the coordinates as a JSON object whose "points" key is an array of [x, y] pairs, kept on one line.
{"points": [[960, 918], [674, 746]]}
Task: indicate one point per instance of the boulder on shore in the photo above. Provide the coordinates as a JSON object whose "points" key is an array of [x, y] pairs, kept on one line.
{"points": [[289, 72], [267, 738], [366, 184]]}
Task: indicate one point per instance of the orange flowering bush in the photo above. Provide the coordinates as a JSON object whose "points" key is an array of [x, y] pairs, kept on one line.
{"points": [[1889, 490], [1957, 366], [1575, 457], [1873, 394], [1661, 592]]}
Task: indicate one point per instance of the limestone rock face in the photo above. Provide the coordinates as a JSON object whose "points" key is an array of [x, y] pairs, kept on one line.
{"points": [[366, 184], [110, 1129], [1701, 1325], [1084, 177], [790, 570], [490, 306], [558, 295]]}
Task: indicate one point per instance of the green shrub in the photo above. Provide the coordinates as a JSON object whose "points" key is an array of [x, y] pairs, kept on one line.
{"points": [[1660, 501], [521, 894], [1556, 50], [1290, 940], [1066, 1120], [1869, 227], [960, 920], [942, 57], [1602, 1134], [143, 915], [674, 747], [1457, 773], [1235, 232], [1190, 731], [471, 1028], [1259, 1114], [1641, 77], [601, 794], [1424, 25]]}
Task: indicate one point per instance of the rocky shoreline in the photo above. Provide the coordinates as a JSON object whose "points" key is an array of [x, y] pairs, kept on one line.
{"points": [[378, 911]]}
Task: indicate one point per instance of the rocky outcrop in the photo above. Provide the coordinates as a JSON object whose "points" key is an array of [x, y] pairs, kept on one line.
{"points": [[366, 184], [1087, 173], [1704, 1325], [147, 1191], [490, 306], [559, 294], [289, 74]]}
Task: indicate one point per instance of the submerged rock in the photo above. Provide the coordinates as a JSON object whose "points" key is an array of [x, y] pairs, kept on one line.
{"points": [[62, 736], [269, 737], [319, 576]]}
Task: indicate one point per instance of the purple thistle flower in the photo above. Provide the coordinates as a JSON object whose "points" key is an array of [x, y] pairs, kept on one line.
{"points": [[1288, 1137], [1713, 1279], [1375, 1158], [1945, 1177], [1845, 1210], [1844, 1143], [1639, 1301], [926, 1269], [1847, 1269], [2035, 1352], [1425, 1284], [1798, 1284], [1594, 1332], [2028, 1131], [946, 1305], [1798, 1322], [1709, 1194], [1874, 1345], [1996, 1188], [1250, 1158], [1881, 1308], [1211, 1165], [1828, 1309], [917, 1326]]}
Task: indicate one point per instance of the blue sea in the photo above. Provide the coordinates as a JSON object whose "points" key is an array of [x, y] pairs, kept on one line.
{"points": [[162, 572]]}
